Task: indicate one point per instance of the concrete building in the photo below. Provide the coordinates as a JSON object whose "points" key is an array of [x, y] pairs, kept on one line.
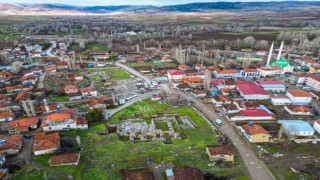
{"points": [[254, 133], [296, 128], [299, 97], [250, 73], [298, 110], [313, 82], [252, 92], [280, 100], [316, 126], [220, 152], [46, 143], [225, 73], [176, 75], [271, 85]]}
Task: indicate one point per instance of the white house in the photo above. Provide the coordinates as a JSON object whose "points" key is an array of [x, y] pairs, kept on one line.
{"points": [[218, 100], [250, 73], [226, 73], [316, 126], [251, 115], [64, 120], [89, 92], [46, 143], [175, 75], [299, 97], [280, 100], [298, 110], [271, 85]]}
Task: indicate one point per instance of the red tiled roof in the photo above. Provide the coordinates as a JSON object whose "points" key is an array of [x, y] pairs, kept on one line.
{"points": [[315, 76], [56, 117], [22, 124], [70, 87], [12, 142], [220, 149], [250, 70], [44, 141], [192, 80], [175, 72], [269, 82], [137, 174], [5, 73], [248, 89], [296, 108], [254, 129], [256, 113], [69, 158], [227, 71], [299, 93], [187, 173], [315, 67], [6, 114], [221, 98], [51, 68], [87, 89]]}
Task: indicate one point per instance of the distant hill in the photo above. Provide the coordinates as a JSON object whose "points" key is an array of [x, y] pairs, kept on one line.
{"points": [[238, 6], [60, 9]]}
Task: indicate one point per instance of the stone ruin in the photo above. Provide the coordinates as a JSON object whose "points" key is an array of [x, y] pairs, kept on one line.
{"points": [[102, 74], [140, 129]]}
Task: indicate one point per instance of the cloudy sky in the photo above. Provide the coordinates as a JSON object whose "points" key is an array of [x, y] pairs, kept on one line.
{"points": [[116, 2]]}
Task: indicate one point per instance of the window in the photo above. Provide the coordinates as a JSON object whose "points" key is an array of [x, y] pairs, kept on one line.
{"points": [[50, 128], [68, 125]]}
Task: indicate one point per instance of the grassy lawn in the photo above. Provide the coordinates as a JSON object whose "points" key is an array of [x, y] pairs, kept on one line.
{"points": [[97, 47], [95, 78], [116, 73], [162, 125], [9, 37], [29, 172], [61, 98], [104, 155], [153, 64]]}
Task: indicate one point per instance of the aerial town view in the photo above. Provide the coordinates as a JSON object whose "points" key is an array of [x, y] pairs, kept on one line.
{"points": [[159, 90]]}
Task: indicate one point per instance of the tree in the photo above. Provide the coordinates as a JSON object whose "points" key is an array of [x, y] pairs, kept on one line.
{"points": [[94, 115], [23, 48]]}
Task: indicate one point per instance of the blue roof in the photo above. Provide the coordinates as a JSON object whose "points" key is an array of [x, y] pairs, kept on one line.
{"points": [[298, 125], [265, 108], [169, 172], [162, 78], [221, 86]]}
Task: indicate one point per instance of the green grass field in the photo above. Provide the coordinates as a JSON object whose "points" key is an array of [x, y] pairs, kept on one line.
{"points": [[61, 98], [104, 155], [116, 73], [29, 172], [153, 64], [97, 47]]}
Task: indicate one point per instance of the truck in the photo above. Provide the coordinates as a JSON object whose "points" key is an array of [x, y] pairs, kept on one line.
{"points": [[219, 122]]}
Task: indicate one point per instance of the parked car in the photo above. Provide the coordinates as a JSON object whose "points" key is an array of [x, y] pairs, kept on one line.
{"points": [[27, 136], [220, 114], [219, 122]]}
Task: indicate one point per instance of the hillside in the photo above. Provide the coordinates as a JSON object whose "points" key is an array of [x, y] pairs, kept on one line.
{"points": [[59, 9]]}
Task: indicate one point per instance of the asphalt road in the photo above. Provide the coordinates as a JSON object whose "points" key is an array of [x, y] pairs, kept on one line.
{"points": [[140, 98], [41, 80], [256, 168], [132, 71]]}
